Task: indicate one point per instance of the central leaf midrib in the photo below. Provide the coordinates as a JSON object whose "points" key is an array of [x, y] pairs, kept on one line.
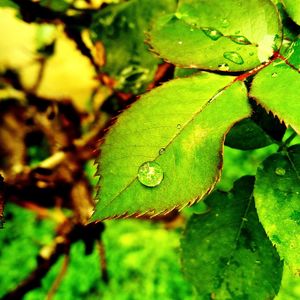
{"points": [[214, 97]]}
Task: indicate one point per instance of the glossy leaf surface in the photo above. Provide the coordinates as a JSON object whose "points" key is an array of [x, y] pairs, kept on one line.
{"points": [[276, 88], [226, 252], [228, 36], [277, 198], [181, 127]]}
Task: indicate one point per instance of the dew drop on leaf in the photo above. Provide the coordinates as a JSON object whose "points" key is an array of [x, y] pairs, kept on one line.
{"points": [[161, 151], [251, 53], [240, 39], [234, 57], [223, 67], [274, 75], [178, 126], [180, 42], [280, 171], [150, 174], [225, 23], [212, 33]]}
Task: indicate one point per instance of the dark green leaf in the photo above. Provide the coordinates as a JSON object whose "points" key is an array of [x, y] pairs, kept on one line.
{"points": [[226, 253], [277, 199], [247, 135], [121, 28]]}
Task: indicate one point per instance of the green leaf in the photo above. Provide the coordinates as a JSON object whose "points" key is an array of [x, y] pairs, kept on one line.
{"points": [[226, 252], [231, 35], [247, 135], [56, 5], [277, 199], [180, 126], [293, 9], [294, 54], [8, 3], [276, 88], [121, 29], [290, 286], [261, 130]]}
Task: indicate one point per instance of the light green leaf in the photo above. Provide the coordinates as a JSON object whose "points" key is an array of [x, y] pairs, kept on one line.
{"points": [[277, 199], [293, 9], [231, 35], [276, 88], [290, 286], [121, 29], [226, 252], [180, 126]]}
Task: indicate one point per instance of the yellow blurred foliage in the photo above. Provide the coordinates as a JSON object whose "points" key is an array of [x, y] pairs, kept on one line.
{"points": [[67, 74], [17, 42]]}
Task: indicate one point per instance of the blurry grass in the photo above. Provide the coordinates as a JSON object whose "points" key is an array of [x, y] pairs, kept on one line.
{"points": [[143, 263], [143, 258]]}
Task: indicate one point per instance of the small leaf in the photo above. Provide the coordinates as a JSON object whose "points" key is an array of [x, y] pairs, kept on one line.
{"points": [[276, 88], [187, 118], [121, 28], [226, 252], [277, 199], [293, 9], [247, 135], [209, 34]]}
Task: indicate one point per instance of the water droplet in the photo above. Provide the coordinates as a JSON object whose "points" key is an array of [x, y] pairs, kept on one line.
{"points": [[212, 33], [225, 23], [223, 67], [258, 262], [192, 29], [180, 42], [239, 39], [237, 32], [178, 126], [280, 171], [162, 151], [274, 75], [150, 174], [234, 57], [251, 53]]}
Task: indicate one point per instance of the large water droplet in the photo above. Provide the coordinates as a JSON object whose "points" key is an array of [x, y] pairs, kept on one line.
{"points": [[280, 171], [274, 75], [150, 174], [234, 57], [212, 33], [178, 126], [223, 67], [239, 39], [180, 42]]}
